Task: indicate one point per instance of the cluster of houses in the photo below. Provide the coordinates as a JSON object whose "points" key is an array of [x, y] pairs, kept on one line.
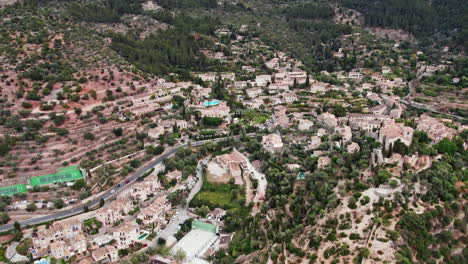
{"points": [[276, 88], [212, 109], [379, 123], [272, 89], [61, 240], [436, 129], [234, 164], [155, 95], [122, 225]]}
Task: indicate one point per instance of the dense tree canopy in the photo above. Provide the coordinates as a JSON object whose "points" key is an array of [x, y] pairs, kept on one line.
{"points": [[107, 11], [420, 17], [310, 11], [173, 50], [170, 4]]}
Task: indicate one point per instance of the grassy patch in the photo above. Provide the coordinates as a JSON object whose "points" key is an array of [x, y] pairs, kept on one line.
{"points": [[261, 118], [222, 199], [226, 196], [255, 117]]}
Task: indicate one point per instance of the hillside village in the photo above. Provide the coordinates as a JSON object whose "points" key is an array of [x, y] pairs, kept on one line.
{"points": [[248, 156]]}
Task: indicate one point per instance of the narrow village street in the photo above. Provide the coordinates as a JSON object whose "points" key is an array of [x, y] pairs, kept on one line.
{"points": [[182, 209]]}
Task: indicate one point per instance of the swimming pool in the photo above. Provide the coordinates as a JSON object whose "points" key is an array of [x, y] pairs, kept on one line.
{"points": [[42, 261], [301, 175], [211, 103], [142, 236]]}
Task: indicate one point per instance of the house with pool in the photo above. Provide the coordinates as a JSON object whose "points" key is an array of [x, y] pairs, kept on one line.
{"points": [[214, 108]]}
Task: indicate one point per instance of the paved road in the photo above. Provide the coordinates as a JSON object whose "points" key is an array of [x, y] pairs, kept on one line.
{"points": [[181, 210], [407, 99], [427, 108], [109, 194]]}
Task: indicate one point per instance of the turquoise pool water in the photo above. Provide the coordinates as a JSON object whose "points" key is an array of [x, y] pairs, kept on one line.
{"points": [[142, 236], [301, 175], [211, 103]]}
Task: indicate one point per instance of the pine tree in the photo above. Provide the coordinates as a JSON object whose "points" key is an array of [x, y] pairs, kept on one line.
{"points": [[17, 226]]}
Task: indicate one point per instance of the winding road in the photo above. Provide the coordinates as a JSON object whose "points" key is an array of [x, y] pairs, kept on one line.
{"points": [[407, 99], [106, 195], [427, 108], [111, 193]]}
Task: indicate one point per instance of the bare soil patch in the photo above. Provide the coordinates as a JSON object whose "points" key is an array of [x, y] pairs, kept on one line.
{"points": [[5, 238], [216, 174]]}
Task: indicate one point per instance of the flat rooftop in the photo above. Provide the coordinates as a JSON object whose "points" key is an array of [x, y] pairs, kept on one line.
{"points": [[194, 242]]}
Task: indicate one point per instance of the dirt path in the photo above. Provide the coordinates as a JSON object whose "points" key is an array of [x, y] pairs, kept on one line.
{"points": [[261, 187]]}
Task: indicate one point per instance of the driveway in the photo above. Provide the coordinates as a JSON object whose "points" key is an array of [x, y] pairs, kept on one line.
{"points": [[182, 215]]}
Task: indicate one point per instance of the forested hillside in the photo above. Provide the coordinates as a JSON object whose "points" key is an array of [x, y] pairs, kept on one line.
{"points": [[173, 50], [306, 29], [107, 11], [420, 17]]}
